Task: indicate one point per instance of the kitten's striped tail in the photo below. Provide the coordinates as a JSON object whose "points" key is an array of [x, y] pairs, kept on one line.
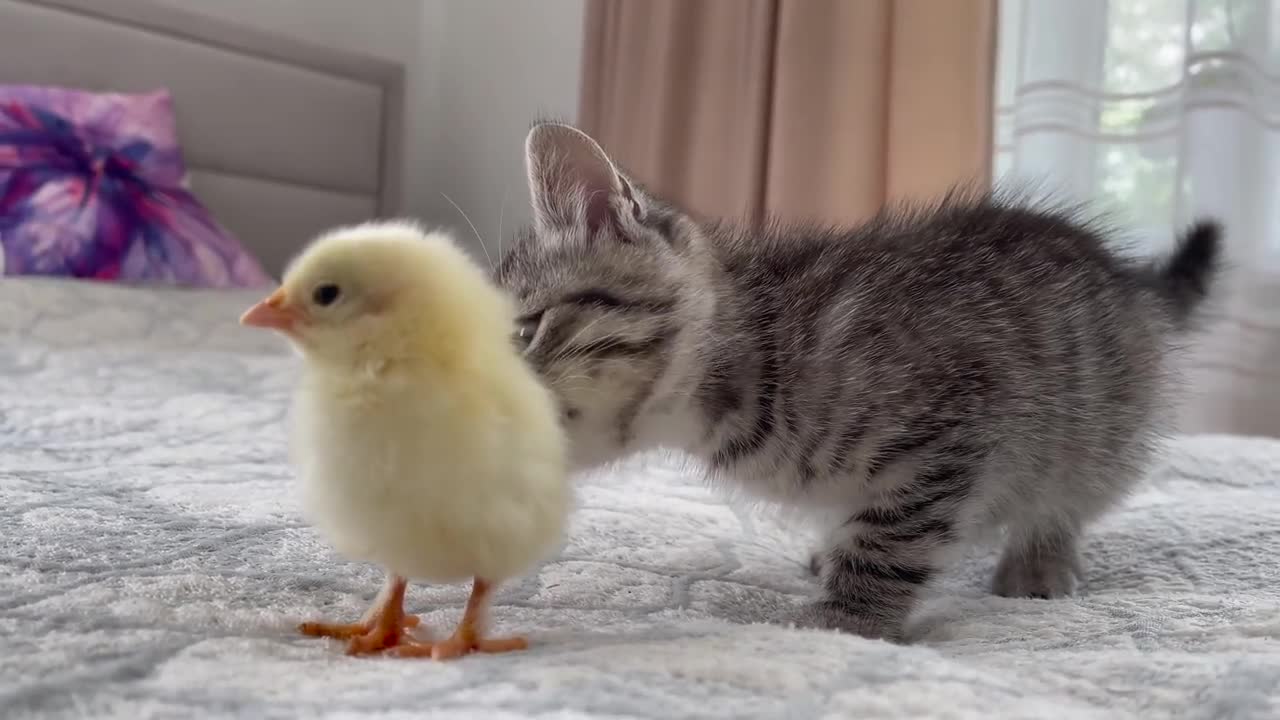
{"points": [[1185, 278]]}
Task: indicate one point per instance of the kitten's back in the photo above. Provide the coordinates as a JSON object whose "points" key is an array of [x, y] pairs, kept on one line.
{"points": [[974, 323]]}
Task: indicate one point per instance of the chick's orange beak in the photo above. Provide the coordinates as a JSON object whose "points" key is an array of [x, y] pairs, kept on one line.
{"points": [[272, 313]]}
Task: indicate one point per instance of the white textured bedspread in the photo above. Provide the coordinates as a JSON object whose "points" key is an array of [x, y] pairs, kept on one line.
{"points": [[152, 564]]}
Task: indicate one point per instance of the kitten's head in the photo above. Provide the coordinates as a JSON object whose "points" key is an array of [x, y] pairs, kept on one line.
{"points": [[608, 288]]}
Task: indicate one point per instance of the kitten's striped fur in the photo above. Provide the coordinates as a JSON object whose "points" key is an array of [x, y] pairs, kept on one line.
{"points": [[912, 380]]}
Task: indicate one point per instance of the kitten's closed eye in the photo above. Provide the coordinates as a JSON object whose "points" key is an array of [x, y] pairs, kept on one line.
{"points": [[526, 329], [592, 300]]}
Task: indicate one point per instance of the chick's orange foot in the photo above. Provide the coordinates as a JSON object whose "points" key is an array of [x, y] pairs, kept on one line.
{"points": [[467, 638], [377, 642], [459, 645], [385, 626], [346, 631], [367, 637]]}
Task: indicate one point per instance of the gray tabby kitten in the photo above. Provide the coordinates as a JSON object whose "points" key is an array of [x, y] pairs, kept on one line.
{"points": [[910, 381]]}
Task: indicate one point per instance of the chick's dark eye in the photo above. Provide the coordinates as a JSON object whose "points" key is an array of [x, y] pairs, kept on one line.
{"points": [[325, 295]]}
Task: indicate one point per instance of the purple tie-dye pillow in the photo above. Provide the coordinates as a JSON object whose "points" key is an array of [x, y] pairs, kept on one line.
{"points": [[93, 185]]}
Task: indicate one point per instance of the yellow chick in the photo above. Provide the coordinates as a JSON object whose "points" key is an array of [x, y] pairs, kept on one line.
{"points": [[423, 441]]}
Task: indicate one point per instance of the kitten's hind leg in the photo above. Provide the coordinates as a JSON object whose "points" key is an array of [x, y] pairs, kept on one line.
{"points": [[1040, 561], [867, 596], [881, 557]]}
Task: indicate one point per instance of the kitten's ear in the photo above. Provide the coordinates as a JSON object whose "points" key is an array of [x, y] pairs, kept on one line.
{"points": [[572, 182]]}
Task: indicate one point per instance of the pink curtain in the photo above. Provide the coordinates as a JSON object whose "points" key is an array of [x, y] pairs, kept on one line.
{"points": [[806, 109]]}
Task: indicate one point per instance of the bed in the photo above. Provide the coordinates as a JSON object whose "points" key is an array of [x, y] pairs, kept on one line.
{"points": [[153, 562]]}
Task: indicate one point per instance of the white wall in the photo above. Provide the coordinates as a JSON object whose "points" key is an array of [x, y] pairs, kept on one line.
{"points": [[499, 65], [477, 73], [389, 32]]}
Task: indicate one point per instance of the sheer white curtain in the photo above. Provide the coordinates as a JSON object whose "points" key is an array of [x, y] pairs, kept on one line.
{"points": [[1161, 111]]}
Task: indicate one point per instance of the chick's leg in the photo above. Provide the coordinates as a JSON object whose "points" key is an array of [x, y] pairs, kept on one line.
{"points": [[383, 626], [469, 637]]}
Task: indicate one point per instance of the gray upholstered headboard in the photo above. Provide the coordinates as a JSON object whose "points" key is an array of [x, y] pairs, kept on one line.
{"points": [[283, 138]]}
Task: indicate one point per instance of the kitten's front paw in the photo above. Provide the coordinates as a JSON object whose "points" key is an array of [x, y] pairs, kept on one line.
{"points": [[1045, 577], [827, 615], [815, 563]]}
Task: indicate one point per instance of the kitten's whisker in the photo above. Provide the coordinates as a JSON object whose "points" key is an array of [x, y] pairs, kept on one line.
{"points": [[473, 229], [579, 376], [571, 353], [502, 205], [568, 344]]}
